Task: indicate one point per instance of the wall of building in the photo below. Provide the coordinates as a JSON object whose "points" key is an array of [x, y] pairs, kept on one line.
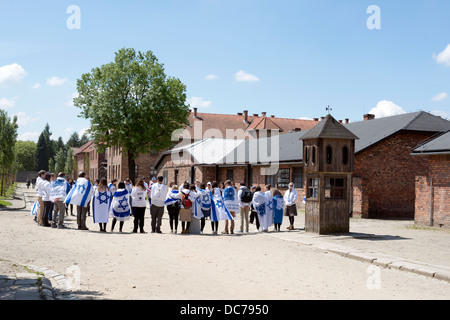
{"points": [[432, 203], [384, 177]]}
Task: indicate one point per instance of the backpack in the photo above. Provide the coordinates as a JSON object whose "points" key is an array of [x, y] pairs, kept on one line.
{"points": [[246, 196], [187, 204]]}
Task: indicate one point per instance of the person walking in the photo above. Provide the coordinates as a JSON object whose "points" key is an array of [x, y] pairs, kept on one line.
{"points": [[290, 199], [278, 204], [138, 205], [101, 204], [231, 201], [245, 199], [60, 189], [173, 205], [158, 196], [120, 208]]}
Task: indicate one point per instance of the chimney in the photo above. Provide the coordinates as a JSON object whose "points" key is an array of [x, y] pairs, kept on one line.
{"points": [[272, 116], [321, 118], [263, 114], [316, 119], [195, 112], [239, 114], [368, 117], [246, 116], [340, 121], [255, 115], [347, 120]]}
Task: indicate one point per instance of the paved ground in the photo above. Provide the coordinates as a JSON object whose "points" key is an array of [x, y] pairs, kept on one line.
{"points": [[409, 262]]}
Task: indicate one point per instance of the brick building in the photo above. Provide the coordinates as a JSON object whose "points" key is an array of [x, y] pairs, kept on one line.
{"points": [[383, 183], [201, 126], [90, 161], [432, 203]]}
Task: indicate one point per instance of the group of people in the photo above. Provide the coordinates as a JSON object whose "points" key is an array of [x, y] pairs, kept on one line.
{"points": [[121, 200]]}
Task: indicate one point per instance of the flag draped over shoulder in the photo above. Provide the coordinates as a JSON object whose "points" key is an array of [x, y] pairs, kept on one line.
{"points": [[120, 207], [230, 198], [172, 197], [101, 205], [218, 209], [60, 190], [278, 204], [81, 193], [263, 205], [197, 208]]}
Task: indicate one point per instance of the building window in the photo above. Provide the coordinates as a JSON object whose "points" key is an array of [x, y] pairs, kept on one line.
{"points": [[313, 187], [272, 180], [297, 177], [345, 155], [335, 188], [165, 175], [329, 154], [284, 177], [230, 174], [313, 155], [306, 155]]}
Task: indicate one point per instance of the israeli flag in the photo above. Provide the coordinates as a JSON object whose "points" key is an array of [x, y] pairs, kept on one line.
{"points": [[230, 198], [81, 193], [35, 209], [218, 209], [60, 189], [263, 203], [205, 199], [120, 207], [198, 213], [172, 197]]}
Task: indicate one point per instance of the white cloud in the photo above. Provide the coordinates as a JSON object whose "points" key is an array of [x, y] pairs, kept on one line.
{"points": [[7, 103], [83, 131], [69, 130], [211, 77], [11, 74], [386, 108], [198, 102], [23, 119], [443, 57], [441, 96], [440, 113], [56, 81], [36, 86], [73, 96], [242, 76], [29, 136]]}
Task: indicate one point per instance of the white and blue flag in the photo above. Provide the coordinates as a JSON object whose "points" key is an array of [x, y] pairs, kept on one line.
{"points": [[218, 209], [101, 205], [230, 198], [60, 190], [35, 209], [81, 193], [120, 206]]}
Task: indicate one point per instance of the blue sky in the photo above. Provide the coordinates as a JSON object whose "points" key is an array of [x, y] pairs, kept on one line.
{"points": [[287, 58]]}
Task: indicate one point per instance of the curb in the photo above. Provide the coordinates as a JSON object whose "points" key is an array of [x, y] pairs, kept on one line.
{"points": [[54, 285], [382, 260]]}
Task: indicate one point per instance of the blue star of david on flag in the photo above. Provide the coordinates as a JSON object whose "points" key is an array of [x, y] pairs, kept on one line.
{"points": [[270, 205], [103, 198], [122, 205], [81, 188], [219, 204]]}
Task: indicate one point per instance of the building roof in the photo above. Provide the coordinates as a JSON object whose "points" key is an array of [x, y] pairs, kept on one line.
{"points": [[437, 144], [331, 129], [84, 148], [373, 131], [200, 123]]}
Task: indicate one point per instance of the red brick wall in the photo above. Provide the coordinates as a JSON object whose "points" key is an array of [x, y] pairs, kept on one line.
{"points": [[433, 193], [384, 177]]}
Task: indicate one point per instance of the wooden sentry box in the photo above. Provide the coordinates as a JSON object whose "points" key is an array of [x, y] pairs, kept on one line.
{"points": [[328, 157]]}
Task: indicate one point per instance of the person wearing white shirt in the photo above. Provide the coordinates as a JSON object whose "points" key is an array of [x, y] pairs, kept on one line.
{"points": [[139, 204], [158, 195], [290, 199], [245, 199], [39, 180], [46, 189]]}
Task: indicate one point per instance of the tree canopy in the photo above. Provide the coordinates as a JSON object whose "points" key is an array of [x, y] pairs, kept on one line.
{"points": [[131, 103]]}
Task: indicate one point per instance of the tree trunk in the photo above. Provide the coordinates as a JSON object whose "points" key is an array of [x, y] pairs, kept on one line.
{"points": [[131, 167]]}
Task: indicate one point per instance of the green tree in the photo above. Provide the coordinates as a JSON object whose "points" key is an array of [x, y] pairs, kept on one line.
{"points": [[131, 103], [70, 165], [41, 153], [25, 155], [60, 161], [74, 141], [8, 138]]}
